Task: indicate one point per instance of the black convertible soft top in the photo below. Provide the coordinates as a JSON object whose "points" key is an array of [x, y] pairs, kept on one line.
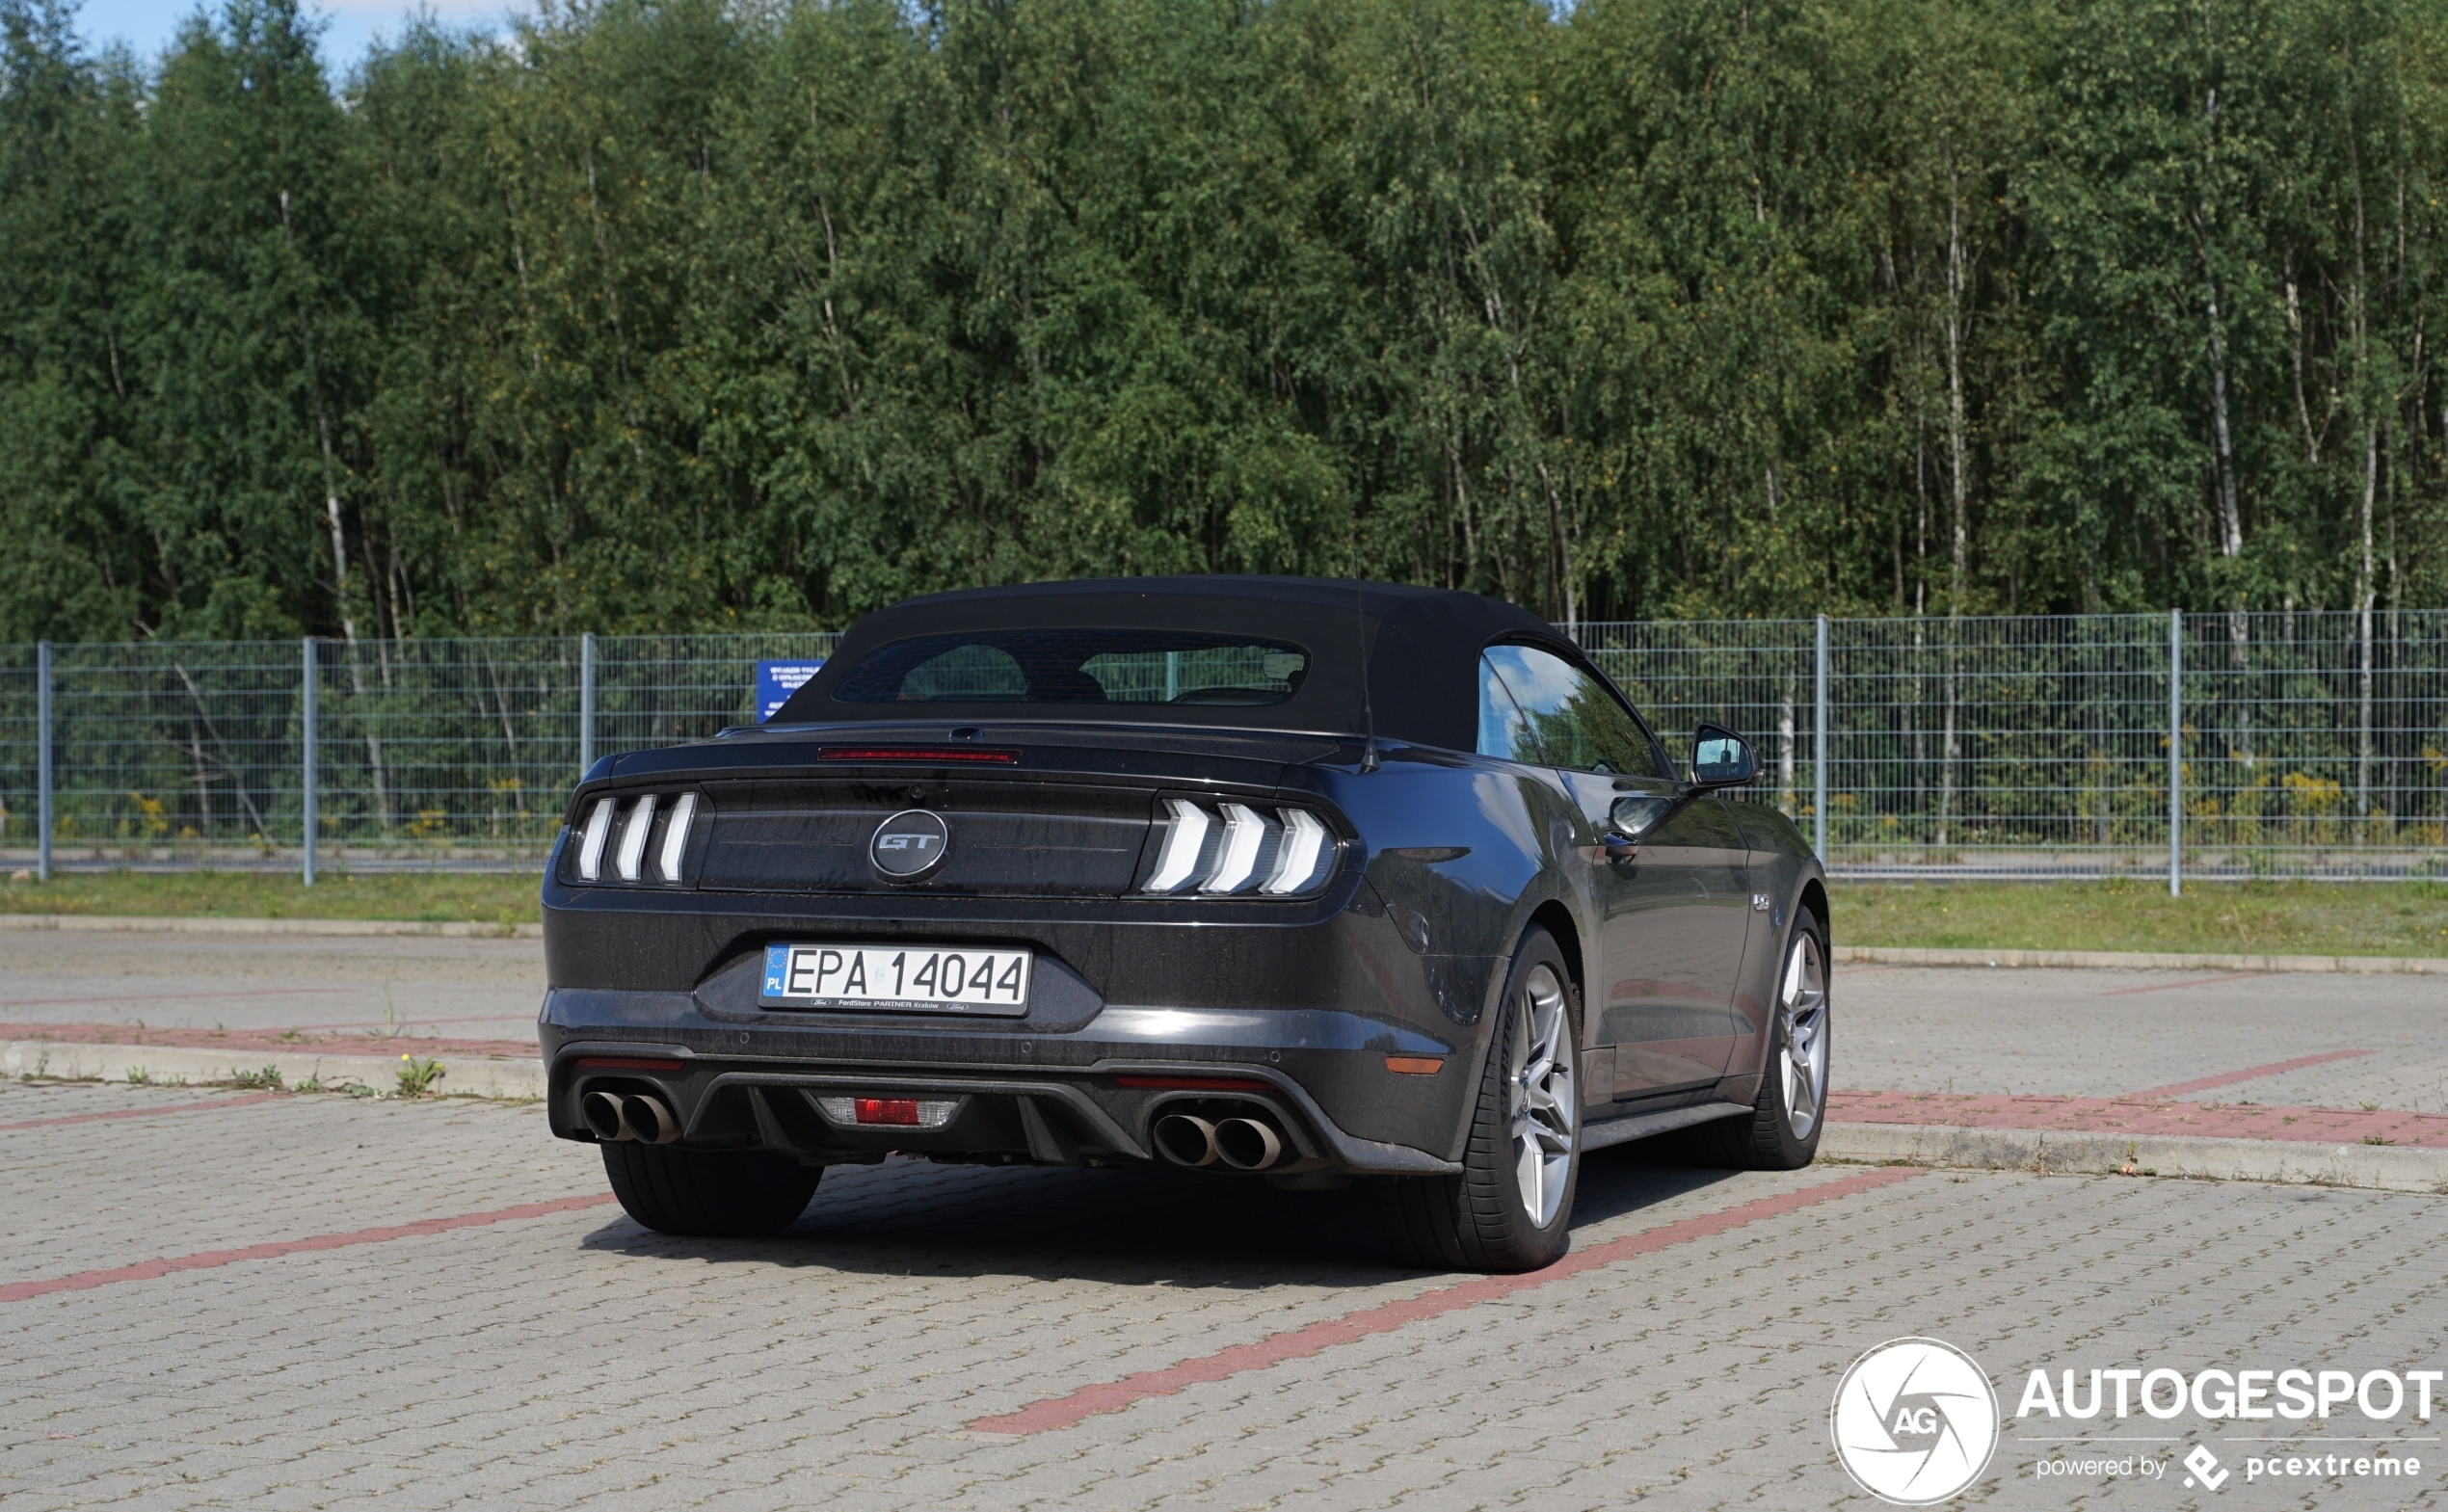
{"points": [[1422, 648]]}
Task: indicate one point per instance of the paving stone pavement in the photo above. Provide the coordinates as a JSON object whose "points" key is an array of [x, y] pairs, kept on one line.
{"points": [[470, 989], [576, 1359], [2100, 1033]]}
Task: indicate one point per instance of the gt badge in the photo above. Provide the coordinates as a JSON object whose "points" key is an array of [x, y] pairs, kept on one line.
{"points": [[909, 846]]}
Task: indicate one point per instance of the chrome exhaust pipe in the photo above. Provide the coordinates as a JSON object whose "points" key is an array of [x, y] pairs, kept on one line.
{"points": [[648, 1120], [1184, 1140], [1247, 1144], [602, 1112]]}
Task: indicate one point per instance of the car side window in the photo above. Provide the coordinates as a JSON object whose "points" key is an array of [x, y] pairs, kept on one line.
{"points": [[1503, 731], [1571, 716]]}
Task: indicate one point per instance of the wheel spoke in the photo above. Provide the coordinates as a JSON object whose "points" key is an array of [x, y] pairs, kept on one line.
{"points": [[1802, 1005]]}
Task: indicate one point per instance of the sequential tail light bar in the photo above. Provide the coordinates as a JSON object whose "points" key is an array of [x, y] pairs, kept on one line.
{"points": [[1237, 848], [626, 828]]}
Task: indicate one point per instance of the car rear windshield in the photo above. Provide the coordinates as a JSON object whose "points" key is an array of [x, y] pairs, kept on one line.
{"points": [[1094, 666]]}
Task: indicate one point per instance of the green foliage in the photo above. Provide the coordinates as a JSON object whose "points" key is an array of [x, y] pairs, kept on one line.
{"points": [[416, 1076], [681, 315]]}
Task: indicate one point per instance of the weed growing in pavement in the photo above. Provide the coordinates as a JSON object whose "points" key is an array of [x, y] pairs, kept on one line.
{"points": [[138, 1076], [268, 1077], [311, 1084], [417, 1077], [359, 1089]]}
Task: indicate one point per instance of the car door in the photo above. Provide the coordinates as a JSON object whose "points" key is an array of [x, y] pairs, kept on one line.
{"points": [[1672, 907], [1683, 966]]}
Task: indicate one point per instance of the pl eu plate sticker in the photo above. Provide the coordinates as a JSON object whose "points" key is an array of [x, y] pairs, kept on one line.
{"points": [[776, 681], [777, 966]]}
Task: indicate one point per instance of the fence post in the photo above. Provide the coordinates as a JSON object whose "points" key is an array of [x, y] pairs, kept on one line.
{"points": [[586, 704], [1819, 752], [43, 760], [2176, 752], [306, 713]]}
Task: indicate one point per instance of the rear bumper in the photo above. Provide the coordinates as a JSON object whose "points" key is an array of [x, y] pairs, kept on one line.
{"points": [[1026, 1092]]}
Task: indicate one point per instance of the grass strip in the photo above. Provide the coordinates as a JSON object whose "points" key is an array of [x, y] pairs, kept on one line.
{"points": [[2353, 918], [2407, 919], [444, 897]]}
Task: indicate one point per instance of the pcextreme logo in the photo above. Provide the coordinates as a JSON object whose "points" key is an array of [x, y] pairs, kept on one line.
{"points": [[1914, 1421]]}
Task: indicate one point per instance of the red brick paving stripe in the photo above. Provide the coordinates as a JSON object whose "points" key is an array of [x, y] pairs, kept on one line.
{"points": [[207, 1259], [2172, 987], [2123, 1116], [2254, 1074], [265, 1042], [1062, 1411], [208, 1106], [147, 994]]}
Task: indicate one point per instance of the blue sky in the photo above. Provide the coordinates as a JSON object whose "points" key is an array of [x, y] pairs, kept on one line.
{"points": [[149, 25]]}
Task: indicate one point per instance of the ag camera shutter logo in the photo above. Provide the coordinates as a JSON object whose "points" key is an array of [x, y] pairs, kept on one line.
{"points": [[1915, 1422]]}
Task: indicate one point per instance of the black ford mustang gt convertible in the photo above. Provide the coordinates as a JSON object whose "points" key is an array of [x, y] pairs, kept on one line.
{"points": [[1336, 884]]}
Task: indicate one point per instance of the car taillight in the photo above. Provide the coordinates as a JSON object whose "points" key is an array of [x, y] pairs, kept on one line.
{"points": [[1237, 848], [647, 836]]}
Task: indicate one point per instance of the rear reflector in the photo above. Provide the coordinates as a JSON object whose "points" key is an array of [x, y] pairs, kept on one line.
{"points": [[886, 1110], [1197, 1083], [972, 754], [1415, 1065], [627, 1063]]}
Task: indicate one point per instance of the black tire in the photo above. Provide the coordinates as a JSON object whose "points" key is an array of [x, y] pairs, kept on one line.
{"points": [[1480, 1220], [1767, 1140], [708, 1193]]}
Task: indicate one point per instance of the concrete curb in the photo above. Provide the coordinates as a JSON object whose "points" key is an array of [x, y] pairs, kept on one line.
{"points": [[2376, 1167], [117, 924], [2144, 960], [461, 1076]]}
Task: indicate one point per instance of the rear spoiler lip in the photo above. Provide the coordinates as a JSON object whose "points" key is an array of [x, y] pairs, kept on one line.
{"points": [[1153, 764]]}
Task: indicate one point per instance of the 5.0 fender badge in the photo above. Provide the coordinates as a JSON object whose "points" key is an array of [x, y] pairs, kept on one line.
{"points": [[909, 846]]}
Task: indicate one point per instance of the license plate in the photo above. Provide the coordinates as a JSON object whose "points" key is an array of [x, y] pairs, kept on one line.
{"points": [[898, 978]]}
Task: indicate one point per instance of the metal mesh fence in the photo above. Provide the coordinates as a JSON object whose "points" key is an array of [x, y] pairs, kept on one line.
{"points": [[2311, 744]]}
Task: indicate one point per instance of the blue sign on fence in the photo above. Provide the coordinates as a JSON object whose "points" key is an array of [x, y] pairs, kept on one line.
{"points": [[776, 681]]}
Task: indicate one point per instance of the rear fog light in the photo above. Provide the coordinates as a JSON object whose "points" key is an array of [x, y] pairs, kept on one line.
{"points": [[889, 1112]]}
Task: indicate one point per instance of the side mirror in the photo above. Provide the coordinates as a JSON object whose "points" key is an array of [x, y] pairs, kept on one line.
{"points": [[1635, 814], [1722, 758]]}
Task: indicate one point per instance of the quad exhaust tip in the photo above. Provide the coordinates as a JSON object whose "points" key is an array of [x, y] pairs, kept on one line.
{"points": [[1185, 1140], [1248, 1144], [1244, 1144], [614, 1116]]}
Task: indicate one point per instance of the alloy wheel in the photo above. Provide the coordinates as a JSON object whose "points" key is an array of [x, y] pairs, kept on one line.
{"points": [[1542, 1103], [1802, 1056]]}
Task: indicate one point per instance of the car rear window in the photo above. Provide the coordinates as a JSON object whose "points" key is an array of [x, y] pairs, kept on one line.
{"points": [[1087, 666]]}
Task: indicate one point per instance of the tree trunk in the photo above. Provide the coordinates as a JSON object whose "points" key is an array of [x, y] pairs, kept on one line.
{"points": [[2364, 627], [340, 534], [1959, 483]]}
